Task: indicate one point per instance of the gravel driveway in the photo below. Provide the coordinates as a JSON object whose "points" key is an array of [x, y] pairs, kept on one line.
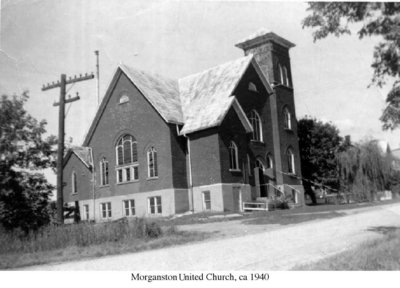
{"points": [[276, 249]]}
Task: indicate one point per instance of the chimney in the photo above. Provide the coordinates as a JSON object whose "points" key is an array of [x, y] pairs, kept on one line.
{"points": [[271, 52]]}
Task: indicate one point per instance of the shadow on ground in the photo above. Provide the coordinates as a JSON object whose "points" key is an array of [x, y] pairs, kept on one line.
{"points": [[384, 229], [286, 219]]}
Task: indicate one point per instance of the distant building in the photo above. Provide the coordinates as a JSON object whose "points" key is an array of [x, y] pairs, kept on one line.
{"points": [[208, 141]]}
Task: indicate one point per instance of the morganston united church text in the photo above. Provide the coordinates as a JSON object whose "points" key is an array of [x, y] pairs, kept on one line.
{"points": [[199, 277]]}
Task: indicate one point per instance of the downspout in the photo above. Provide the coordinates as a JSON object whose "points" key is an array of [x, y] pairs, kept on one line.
{"points": [[93, 184], [190, 168]]}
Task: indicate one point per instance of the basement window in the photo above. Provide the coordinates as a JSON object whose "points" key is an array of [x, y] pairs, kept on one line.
{"points": [[105, 210], [154, 205], [129, 207]]}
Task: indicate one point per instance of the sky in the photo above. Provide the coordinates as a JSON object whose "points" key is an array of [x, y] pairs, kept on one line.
{"points": [[41, 39]]}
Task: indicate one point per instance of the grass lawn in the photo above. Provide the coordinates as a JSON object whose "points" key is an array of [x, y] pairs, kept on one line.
{"points": [[382, 254], [83, 241]]}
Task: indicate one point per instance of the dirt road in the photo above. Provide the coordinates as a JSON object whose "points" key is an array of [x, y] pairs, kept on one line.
{"points": [[277, 249]]}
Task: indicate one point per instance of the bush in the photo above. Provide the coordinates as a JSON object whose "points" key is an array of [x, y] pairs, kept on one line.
{"points": [[153, 230]]}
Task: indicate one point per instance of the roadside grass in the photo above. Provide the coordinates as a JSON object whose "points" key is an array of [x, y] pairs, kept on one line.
{"points": [[86, 240], [382, 254]]}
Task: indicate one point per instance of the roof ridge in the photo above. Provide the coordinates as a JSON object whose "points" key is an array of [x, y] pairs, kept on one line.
{"points": [[150, 73], [214, 67]]}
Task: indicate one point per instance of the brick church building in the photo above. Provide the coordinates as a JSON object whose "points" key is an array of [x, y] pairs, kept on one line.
{"points": [[209, 141]]}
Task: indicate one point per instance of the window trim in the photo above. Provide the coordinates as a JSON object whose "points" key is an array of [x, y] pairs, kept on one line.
{"points": [[254, 116], [233, 147], [152, 151]]}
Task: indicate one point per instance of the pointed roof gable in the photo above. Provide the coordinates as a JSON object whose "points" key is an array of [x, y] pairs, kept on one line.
{"points": [[162, 93], [207, 96], [83, 153]]}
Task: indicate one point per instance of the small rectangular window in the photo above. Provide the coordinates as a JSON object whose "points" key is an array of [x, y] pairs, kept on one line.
{"points": [[86, 211], [128, 174], [206, 200], [155, 205], [129, 207], [105, 210]]}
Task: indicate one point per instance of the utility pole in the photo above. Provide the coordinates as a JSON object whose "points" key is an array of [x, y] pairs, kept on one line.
{"points": [[97, 76], [61, 124]]}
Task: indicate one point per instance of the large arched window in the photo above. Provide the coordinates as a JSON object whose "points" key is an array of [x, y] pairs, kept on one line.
{"points": [[233, 157], [287, 119], [152, 163], [269, 161], [104, 180], [290, 161], [255, 121], [127, 159]]}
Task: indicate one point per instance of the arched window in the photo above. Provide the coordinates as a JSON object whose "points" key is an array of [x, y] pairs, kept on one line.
{"points": [[269, 161], [285, 77], [260, 164], [104, 172], [287, 119], [252, 87], [123, 99], [127, 159], [281, 78], [255, 121], [290, 161], [152, 163], [74, 183], [233, 157]]}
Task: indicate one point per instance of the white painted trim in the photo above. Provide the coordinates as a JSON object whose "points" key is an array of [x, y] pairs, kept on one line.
{"points": [[242, 116]]}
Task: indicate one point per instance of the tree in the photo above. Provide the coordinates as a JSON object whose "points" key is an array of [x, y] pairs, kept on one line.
{"points": [[380, 19], [319, 142], [364, 170], [24, 192]]}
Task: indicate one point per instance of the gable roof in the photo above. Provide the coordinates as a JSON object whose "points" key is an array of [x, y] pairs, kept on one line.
{"points": [[184, 101], [83, 153], [162, 93]]}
